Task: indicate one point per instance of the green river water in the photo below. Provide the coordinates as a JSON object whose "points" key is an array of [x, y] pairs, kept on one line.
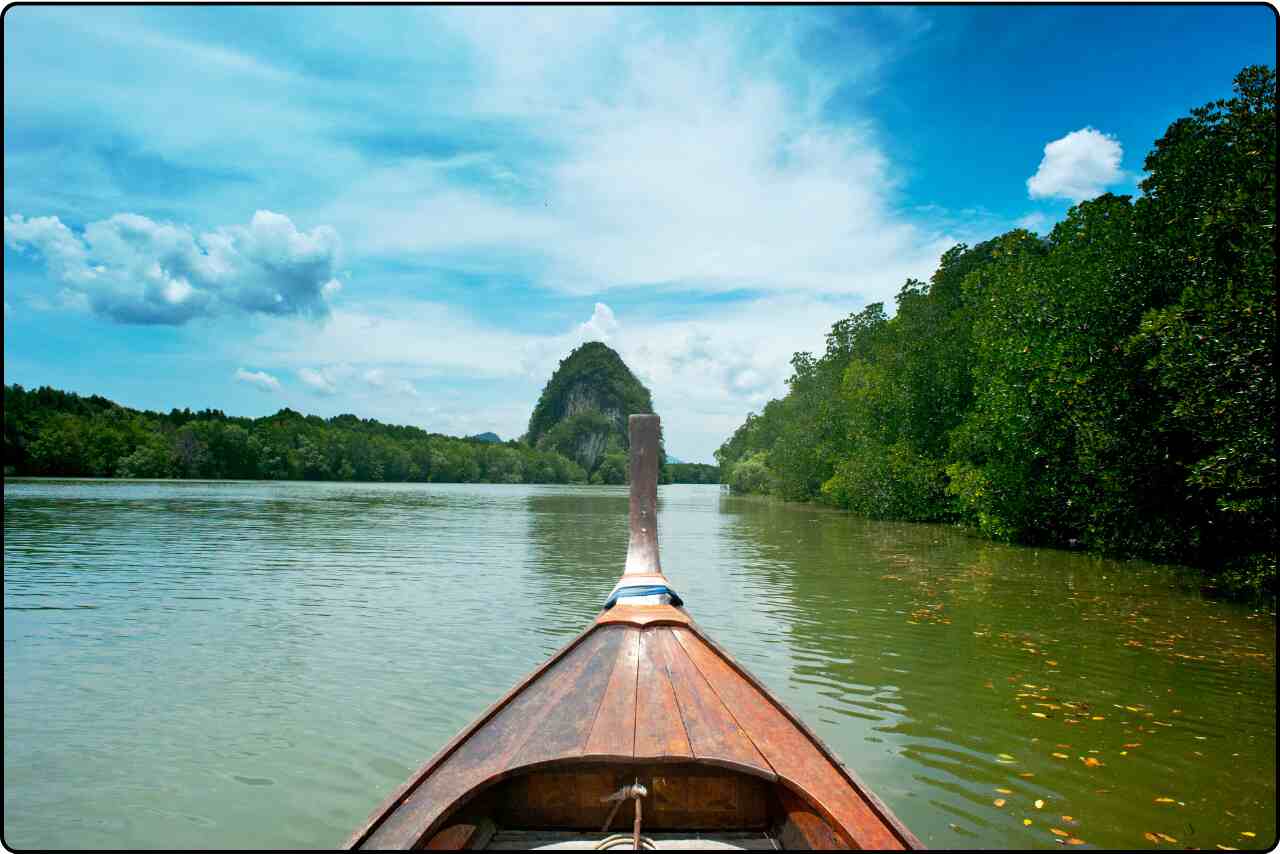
{"points": [[232, 664]]}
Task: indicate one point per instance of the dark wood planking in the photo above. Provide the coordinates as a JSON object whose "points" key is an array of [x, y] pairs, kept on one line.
{"points": [[714, 735], [457, 837], [487, 752], [686, 796], [567, 723], [803, 828], [660, 730], [614, 731], [792, 752]]}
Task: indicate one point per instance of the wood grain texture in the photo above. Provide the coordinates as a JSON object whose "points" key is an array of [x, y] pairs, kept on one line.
{"points": [[573, 709], [490, 749], [642, 547], [714, 734], [688, 796], [803, 829], [659, 728], [614, 731], [644, 615], [791, 752]]}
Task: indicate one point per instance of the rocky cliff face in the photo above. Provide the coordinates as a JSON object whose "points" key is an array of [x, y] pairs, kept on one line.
{"points": [[583, 409]]}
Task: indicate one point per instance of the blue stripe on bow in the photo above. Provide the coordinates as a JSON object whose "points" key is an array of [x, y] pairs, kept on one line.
{"points": [[642, 590]]}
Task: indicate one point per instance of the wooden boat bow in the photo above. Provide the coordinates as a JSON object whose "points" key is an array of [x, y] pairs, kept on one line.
{"points": [[641, 695]]}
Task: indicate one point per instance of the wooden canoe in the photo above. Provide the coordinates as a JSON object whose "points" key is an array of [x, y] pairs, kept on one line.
{"points": [[643, 708]]}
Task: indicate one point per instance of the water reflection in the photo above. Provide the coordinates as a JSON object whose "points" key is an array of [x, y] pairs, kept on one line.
{"points": [[231, 664], [953, 673]]}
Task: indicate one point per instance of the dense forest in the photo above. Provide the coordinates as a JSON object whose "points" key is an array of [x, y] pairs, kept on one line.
{"points": [[51, 432], [1109, 386]]}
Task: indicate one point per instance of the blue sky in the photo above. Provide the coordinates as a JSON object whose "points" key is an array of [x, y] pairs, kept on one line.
{"points": [[412, 213]]}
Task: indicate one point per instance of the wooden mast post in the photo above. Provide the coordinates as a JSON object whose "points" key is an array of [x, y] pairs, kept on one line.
{"points": [[642, 548]]}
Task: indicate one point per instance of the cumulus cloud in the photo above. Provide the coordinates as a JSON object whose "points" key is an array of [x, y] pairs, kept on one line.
{"points": [[1078, 166], [600, 326], [135, 270], [260, 380]]}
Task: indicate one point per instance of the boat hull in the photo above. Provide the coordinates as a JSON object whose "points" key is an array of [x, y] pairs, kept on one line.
{"points": [[641, 695]]}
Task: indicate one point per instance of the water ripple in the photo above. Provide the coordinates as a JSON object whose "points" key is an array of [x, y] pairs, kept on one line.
{"points": [[204, 664]]}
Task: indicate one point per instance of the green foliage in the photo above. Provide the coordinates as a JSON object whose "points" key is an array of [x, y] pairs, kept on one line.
{"points": [[751, 475], [613, 469], [691, 473], [584, 437], [51, 432], [1111, 385], [583, 409], [892, 482]]}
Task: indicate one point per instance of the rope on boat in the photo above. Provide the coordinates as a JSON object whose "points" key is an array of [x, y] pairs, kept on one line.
{"points": [[643, 590], [637, 841]]}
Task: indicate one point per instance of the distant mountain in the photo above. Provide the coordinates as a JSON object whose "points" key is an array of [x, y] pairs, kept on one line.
{"points": [[487, 437], [583, 410]]}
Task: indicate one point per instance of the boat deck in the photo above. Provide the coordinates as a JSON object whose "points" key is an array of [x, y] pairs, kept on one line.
{"points": [[542, 840], [639, 686]]}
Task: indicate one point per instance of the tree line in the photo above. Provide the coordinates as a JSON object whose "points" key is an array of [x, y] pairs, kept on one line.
{"points": [[1109, 386], [57, 433]]}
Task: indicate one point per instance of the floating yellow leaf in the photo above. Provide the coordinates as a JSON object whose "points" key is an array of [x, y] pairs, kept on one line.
{"points": [[1164, 800], [1248, 834], [1058, 831], [1051, 662], [1068, 819], [1074, 841], [1039, 715], [1039, 804], [1166, 837], [1061, 756], [1004, 756], [1097, 718], [998, 802], [1134, 744], [1090, 761], [1025, 774], [1005, 791], [1027, 822], [1151, 837], [1227, 847]]}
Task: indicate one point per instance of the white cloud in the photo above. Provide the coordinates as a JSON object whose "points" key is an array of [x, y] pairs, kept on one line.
{"points": [[260, 380], [1034, 221], [600, 326], [1078, 166], [700, 164], [322, 380], [135, 270]]}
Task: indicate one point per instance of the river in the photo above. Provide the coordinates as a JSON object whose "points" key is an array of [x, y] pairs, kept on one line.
{"points": [[257, 664]]}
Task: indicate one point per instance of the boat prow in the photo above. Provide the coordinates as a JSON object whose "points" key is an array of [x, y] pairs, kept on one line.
{"points": [[641, 707]]}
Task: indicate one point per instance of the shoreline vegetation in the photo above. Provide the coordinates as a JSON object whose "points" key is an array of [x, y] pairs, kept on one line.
{"points": [[55, 433], [1110, 386]]}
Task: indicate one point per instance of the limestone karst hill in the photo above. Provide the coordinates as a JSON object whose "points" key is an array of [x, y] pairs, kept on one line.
{"points": [[583, 410]]}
